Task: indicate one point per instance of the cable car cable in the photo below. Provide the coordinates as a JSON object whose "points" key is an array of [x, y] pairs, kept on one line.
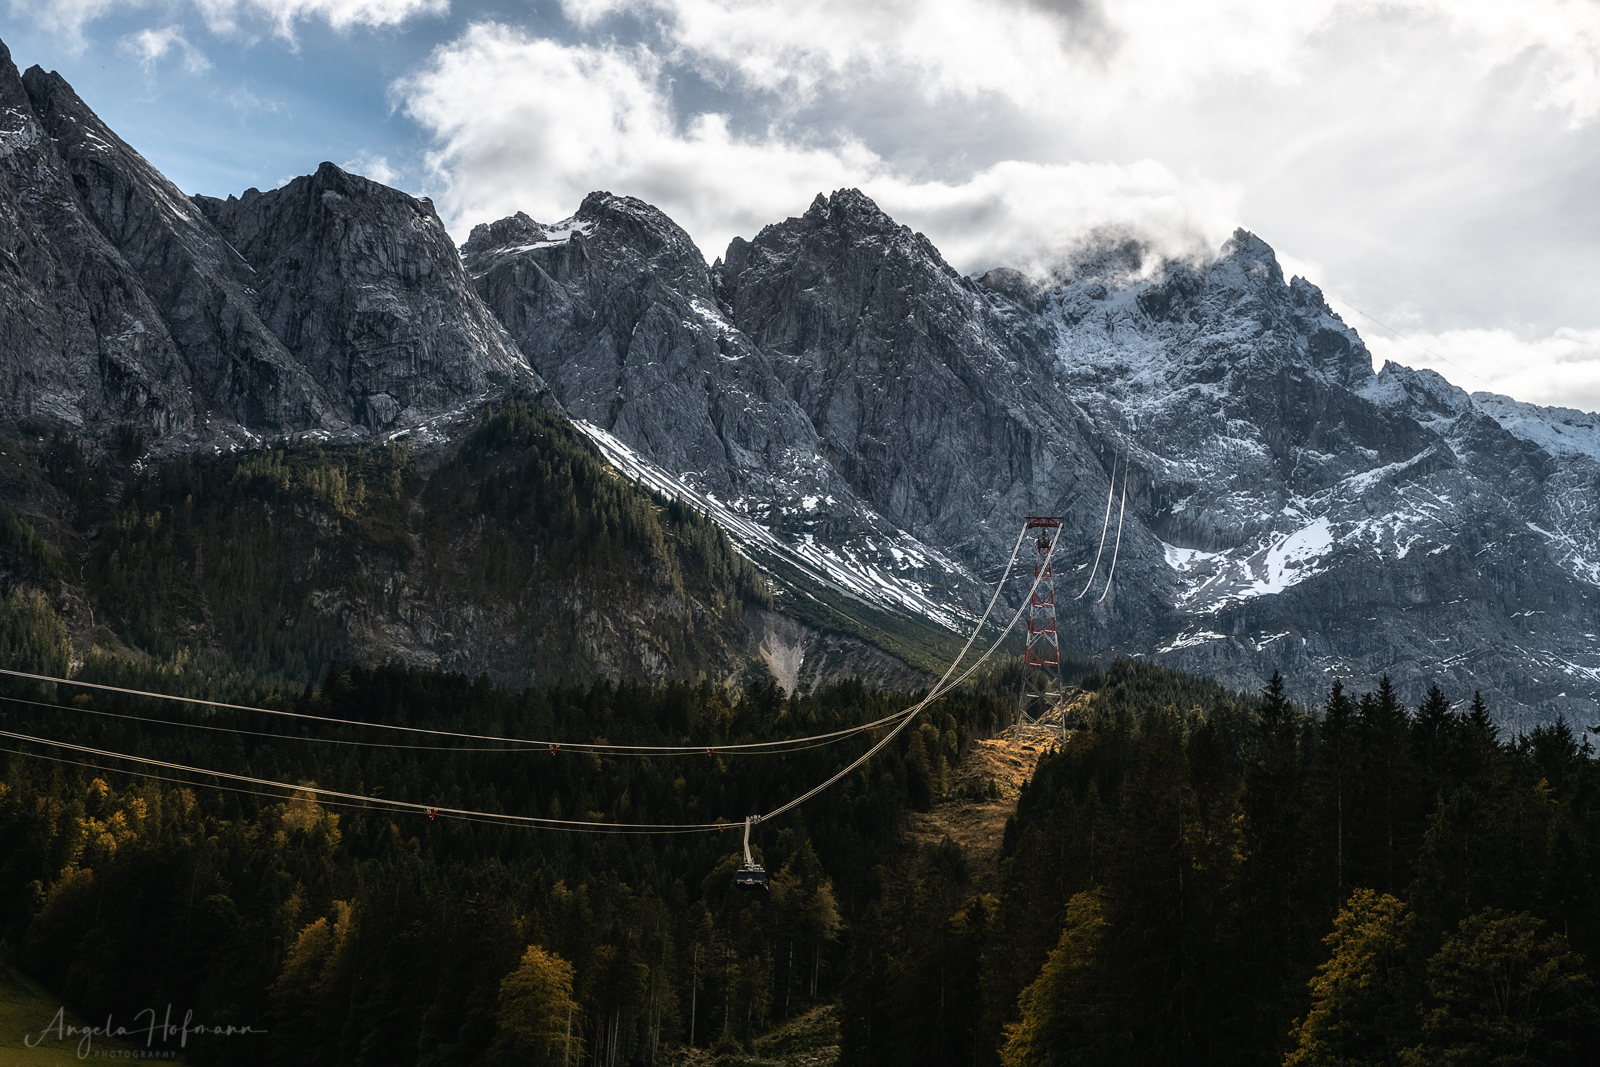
{"points": [[1111, 491], [915, 710], [1124, 509], [385, 744], [357, 799], [404, 805], [752, 747]]}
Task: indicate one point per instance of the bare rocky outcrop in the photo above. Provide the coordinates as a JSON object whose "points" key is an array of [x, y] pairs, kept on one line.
{"points": [[334, 304], [614, 307], [81, 343], [197, 288], [364, 287]]}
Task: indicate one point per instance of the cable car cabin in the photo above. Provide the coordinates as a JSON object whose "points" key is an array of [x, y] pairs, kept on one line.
{"points": [[751, 880]]}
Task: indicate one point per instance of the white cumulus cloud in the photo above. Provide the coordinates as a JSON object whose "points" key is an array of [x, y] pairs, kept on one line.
{"points": [[1059, 57], [70, 17], [370, 166], [1560, 369], [153, 45], [524, 123]]}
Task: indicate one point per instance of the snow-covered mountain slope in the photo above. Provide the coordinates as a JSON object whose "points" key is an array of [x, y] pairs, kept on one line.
{"points": [[849, 406], [1288, 508], [848, 570]]}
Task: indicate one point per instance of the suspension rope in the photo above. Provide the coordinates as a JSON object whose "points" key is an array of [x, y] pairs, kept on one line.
{"points": [[1111, 490], [751, 748], [314, 739], [904, 718], [931, 697], [401, 805], [377, 804], [1122, 511]]}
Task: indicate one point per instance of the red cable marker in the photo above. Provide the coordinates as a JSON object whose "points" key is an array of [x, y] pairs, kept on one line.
{"points": [[554, 749]]}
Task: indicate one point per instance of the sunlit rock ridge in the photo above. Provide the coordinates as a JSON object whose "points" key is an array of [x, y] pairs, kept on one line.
{"points": [[333, 305], [846, 403]]}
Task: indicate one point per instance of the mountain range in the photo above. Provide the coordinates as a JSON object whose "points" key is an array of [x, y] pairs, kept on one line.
{"points": [[863, 421]]}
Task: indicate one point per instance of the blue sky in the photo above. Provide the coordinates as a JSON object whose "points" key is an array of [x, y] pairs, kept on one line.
{"points": [[258, 108], [1430, 163]]}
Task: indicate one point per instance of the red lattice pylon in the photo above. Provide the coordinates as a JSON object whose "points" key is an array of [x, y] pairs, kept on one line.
{"points": [[1041, 658]]}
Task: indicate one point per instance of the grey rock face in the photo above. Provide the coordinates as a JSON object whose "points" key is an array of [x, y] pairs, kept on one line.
{"points": [[81, 343], [1320, 519], [614, 307], [334, 304], [1287, 509], [934, 396], [200, 286], [364, 287]]}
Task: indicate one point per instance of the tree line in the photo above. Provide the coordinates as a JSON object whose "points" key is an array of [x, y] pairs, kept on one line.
{"points": [[347, 935], [1200, 878]]}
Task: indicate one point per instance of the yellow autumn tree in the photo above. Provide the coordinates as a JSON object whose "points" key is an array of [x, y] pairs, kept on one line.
{"points": [[1064, 1009], [314, 985], [1361, 1002], [538, 1019]]}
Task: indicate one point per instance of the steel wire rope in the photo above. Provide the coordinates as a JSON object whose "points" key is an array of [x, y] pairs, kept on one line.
{"points": [[930, 698], [1120, 513], [357, 799], [372, 804], [404, 805], [764, 747], [746, 748], [1111, 491], [378, 744]]}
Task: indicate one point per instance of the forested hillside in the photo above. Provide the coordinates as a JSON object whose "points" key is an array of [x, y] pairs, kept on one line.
{"points": [[517, 551], [1196, 880], [1196, 875], [357, 936]]}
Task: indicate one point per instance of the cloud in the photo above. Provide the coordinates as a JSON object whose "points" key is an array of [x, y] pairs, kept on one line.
{"points": [[152, 45], [1561, 369], [227, 15], [524, 123], [70, 17], [245, 102], [1058, 56], [370, 166]]}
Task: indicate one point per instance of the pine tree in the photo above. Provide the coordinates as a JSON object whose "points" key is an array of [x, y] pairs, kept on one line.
{"points": [[1431, 735], [539, 1021], [1272, 807], [1389, 820], [1361, 999], [1334, 778]]}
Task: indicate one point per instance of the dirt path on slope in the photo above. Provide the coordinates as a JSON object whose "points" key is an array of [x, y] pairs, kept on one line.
{"points": [[979, 826]]}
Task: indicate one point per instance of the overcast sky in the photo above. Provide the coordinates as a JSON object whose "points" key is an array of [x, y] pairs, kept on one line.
{"points": [[1434, 164]]}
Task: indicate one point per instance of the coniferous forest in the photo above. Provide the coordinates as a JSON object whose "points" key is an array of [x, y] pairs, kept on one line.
{"points": [[1195, 876]]}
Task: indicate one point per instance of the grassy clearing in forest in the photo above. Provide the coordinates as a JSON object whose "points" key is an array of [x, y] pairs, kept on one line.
{"points": [[26, 1010]]}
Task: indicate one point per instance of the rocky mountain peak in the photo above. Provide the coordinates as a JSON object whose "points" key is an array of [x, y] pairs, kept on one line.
{"points": [[366, 289], [1425, 395], [518, 229], [853, 208], [643, 228], [1253, 255]]}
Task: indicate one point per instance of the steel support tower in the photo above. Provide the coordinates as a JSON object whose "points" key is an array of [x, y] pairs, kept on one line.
{"points": [[1041, 658]]}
